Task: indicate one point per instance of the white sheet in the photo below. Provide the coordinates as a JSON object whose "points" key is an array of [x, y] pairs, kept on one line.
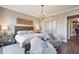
{"points": [[26, 38]]}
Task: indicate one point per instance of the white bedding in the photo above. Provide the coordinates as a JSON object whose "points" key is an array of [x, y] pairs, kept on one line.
{"points": [[26, 38]]}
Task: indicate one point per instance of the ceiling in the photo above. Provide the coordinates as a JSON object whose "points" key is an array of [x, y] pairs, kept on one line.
{"points": [[35, 10]]}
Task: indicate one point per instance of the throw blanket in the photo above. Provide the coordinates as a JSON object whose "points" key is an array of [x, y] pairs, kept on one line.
{"points": [[39, 46]]}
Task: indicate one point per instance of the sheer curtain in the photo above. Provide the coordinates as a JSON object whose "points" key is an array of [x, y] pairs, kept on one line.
{"points": [[50, 26]]}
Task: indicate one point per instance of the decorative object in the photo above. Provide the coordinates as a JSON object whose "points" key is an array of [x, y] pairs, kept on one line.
{"points": [[24, 21]]}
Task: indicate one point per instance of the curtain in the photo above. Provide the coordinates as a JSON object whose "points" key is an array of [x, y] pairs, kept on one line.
{"points": [[50, 26]]}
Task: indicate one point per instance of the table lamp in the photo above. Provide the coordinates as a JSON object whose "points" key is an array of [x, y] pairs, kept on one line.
{"points": [[4, 28]]}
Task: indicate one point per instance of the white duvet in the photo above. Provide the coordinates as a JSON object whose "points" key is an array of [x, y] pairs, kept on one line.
{"points": [[26, 38]]}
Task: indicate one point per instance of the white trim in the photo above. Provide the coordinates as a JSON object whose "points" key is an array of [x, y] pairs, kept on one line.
{"points": [[63, 11], [46, 16]]}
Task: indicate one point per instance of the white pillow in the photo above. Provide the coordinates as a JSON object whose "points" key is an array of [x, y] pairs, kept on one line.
{"points": [[22, 32], [30, 32]]}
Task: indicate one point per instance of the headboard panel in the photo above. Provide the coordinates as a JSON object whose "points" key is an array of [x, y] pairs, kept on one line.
{"points": [[0, 27], [21, 28]]}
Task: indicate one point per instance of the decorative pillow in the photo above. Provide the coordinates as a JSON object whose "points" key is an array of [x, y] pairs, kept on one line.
{"points": [[22, 32], [30, 32], [46, 36]]}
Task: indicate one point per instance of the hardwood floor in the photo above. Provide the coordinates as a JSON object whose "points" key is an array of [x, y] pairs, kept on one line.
{"points": [[71, 47]]}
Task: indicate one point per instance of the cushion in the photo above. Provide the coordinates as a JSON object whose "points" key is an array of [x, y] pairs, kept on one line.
{"points": [[22, 32], [30, 32]]}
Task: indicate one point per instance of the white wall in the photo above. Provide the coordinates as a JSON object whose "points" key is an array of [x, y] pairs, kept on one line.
{"points": [[8, 17], [1, 16], [61, 19]]}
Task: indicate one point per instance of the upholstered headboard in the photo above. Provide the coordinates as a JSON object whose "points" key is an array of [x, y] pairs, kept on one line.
{"points": [[0, 27], [21, 28]]}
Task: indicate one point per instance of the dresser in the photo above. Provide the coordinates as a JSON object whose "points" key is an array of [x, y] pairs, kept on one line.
{"points": [[0, 41]]}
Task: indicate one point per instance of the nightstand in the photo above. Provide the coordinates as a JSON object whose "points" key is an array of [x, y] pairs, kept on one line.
{"points": [[0, 41], [8, 39]]}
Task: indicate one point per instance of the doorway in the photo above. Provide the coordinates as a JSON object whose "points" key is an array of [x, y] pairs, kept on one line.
{"points": [[72, 26]]}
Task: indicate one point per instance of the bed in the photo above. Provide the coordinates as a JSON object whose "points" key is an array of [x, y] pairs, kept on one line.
{"points": [[24, 39], [25, 34]]}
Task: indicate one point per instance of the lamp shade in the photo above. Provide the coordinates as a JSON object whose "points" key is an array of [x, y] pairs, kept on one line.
{"points": [[4, 27], [78, 19], [37, 26]]}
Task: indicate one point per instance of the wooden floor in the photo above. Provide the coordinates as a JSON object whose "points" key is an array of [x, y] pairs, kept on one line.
{"points": [[72, 47]]}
